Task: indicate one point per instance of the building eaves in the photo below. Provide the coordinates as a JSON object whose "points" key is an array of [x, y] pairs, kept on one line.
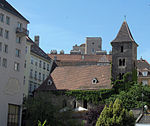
{"points": [[37, 50], [7, 7]]}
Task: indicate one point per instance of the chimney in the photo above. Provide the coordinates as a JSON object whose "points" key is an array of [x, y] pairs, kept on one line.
{"points": [[36, 40]]}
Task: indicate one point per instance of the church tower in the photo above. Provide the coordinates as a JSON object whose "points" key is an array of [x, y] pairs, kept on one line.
{"points": [[124, 52]]}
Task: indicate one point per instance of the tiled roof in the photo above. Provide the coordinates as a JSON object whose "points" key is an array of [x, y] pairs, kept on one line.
{"points": [[124, 34], [70, 57], [37, 50], [7, 7], [80, 77], [143, 64]]}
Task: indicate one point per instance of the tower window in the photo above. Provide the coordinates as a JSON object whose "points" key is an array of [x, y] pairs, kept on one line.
{"points": [[121, 62], [121, 48], [121, 76]]}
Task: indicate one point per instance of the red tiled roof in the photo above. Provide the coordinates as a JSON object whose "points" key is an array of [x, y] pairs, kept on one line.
{"points": [[80, 77], [69, 57]]}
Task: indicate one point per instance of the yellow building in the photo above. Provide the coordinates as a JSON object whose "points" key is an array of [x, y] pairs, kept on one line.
{"points": [[143, 72], [37, 66]]}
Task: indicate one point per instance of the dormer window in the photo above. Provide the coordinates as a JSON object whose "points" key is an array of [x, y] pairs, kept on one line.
{"points": [[94, 81], [144, 73], [49, 82]]}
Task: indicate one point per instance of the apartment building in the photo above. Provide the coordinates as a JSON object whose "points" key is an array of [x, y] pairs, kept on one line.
{"points": [[37, 66], [13, 29]]}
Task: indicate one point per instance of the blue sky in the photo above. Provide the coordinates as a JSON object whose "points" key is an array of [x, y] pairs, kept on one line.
{"points": [[64, 23]]}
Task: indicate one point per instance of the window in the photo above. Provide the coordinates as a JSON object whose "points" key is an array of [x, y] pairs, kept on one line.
{"points": [[24, 80], [4, 62], [18, 39], [1, 32], [144, 82], [0, 46], [93, 50], [32, 60], [2, 17], [43, 65], [121, 62], [49, 82], [34, 87], [30, 86], [35, 63], [26, 49], [19, 25], [35, 75], [47, 67], [39, 76], [94, 81], [85, 104], [121, 76], [6, 34], [40, 64], [25, 63], [6, 48], [121, 48], [13, 115], [43, 77], [31, 73], [7, 20], [64, 104], [16, 66], [18, 52], [144, 73]]}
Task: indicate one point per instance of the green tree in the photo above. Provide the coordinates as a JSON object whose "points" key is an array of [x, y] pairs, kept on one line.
{"points": [[115, 115], [41, 108]]}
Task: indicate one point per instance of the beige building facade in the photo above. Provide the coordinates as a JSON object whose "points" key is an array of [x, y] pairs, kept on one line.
{"points": [[37, 66], [13, 29]]}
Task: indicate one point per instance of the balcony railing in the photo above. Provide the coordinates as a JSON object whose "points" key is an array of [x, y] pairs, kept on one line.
{"points": [[22, 31]]}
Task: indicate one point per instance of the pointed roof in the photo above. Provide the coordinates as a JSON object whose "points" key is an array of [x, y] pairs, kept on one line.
{"points": [[124, 34], [7, 7]]}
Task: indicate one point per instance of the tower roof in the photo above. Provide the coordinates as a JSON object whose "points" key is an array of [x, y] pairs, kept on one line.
{"points": [[124, 34]]}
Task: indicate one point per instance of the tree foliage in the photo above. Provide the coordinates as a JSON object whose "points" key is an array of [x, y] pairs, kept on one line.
{"points": [[115, 115], [41, 108], [92, 115]]}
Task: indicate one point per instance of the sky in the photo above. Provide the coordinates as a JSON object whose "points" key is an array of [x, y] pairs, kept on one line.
{"points": [[63, 23]]}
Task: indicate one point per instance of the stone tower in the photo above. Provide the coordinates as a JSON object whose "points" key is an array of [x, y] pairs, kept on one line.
{"points": [[124, 52]]}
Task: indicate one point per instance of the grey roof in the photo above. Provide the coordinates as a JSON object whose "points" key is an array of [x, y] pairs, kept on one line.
{"points": [[37, 50], [142, 64], [7, 7], [124, 34]]}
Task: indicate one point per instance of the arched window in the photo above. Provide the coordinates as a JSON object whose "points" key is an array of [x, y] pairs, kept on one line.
{"points": [[74, 104]]}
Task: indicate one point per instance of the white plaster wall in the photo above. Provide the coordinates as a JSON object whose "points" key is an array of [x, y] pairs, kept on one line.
{"points": [[11, 81]]}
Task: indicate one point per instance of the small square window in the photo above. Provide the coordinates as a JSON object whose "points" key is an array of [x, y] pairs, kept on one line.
{"points": [[16, 66], [7, 20]]}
